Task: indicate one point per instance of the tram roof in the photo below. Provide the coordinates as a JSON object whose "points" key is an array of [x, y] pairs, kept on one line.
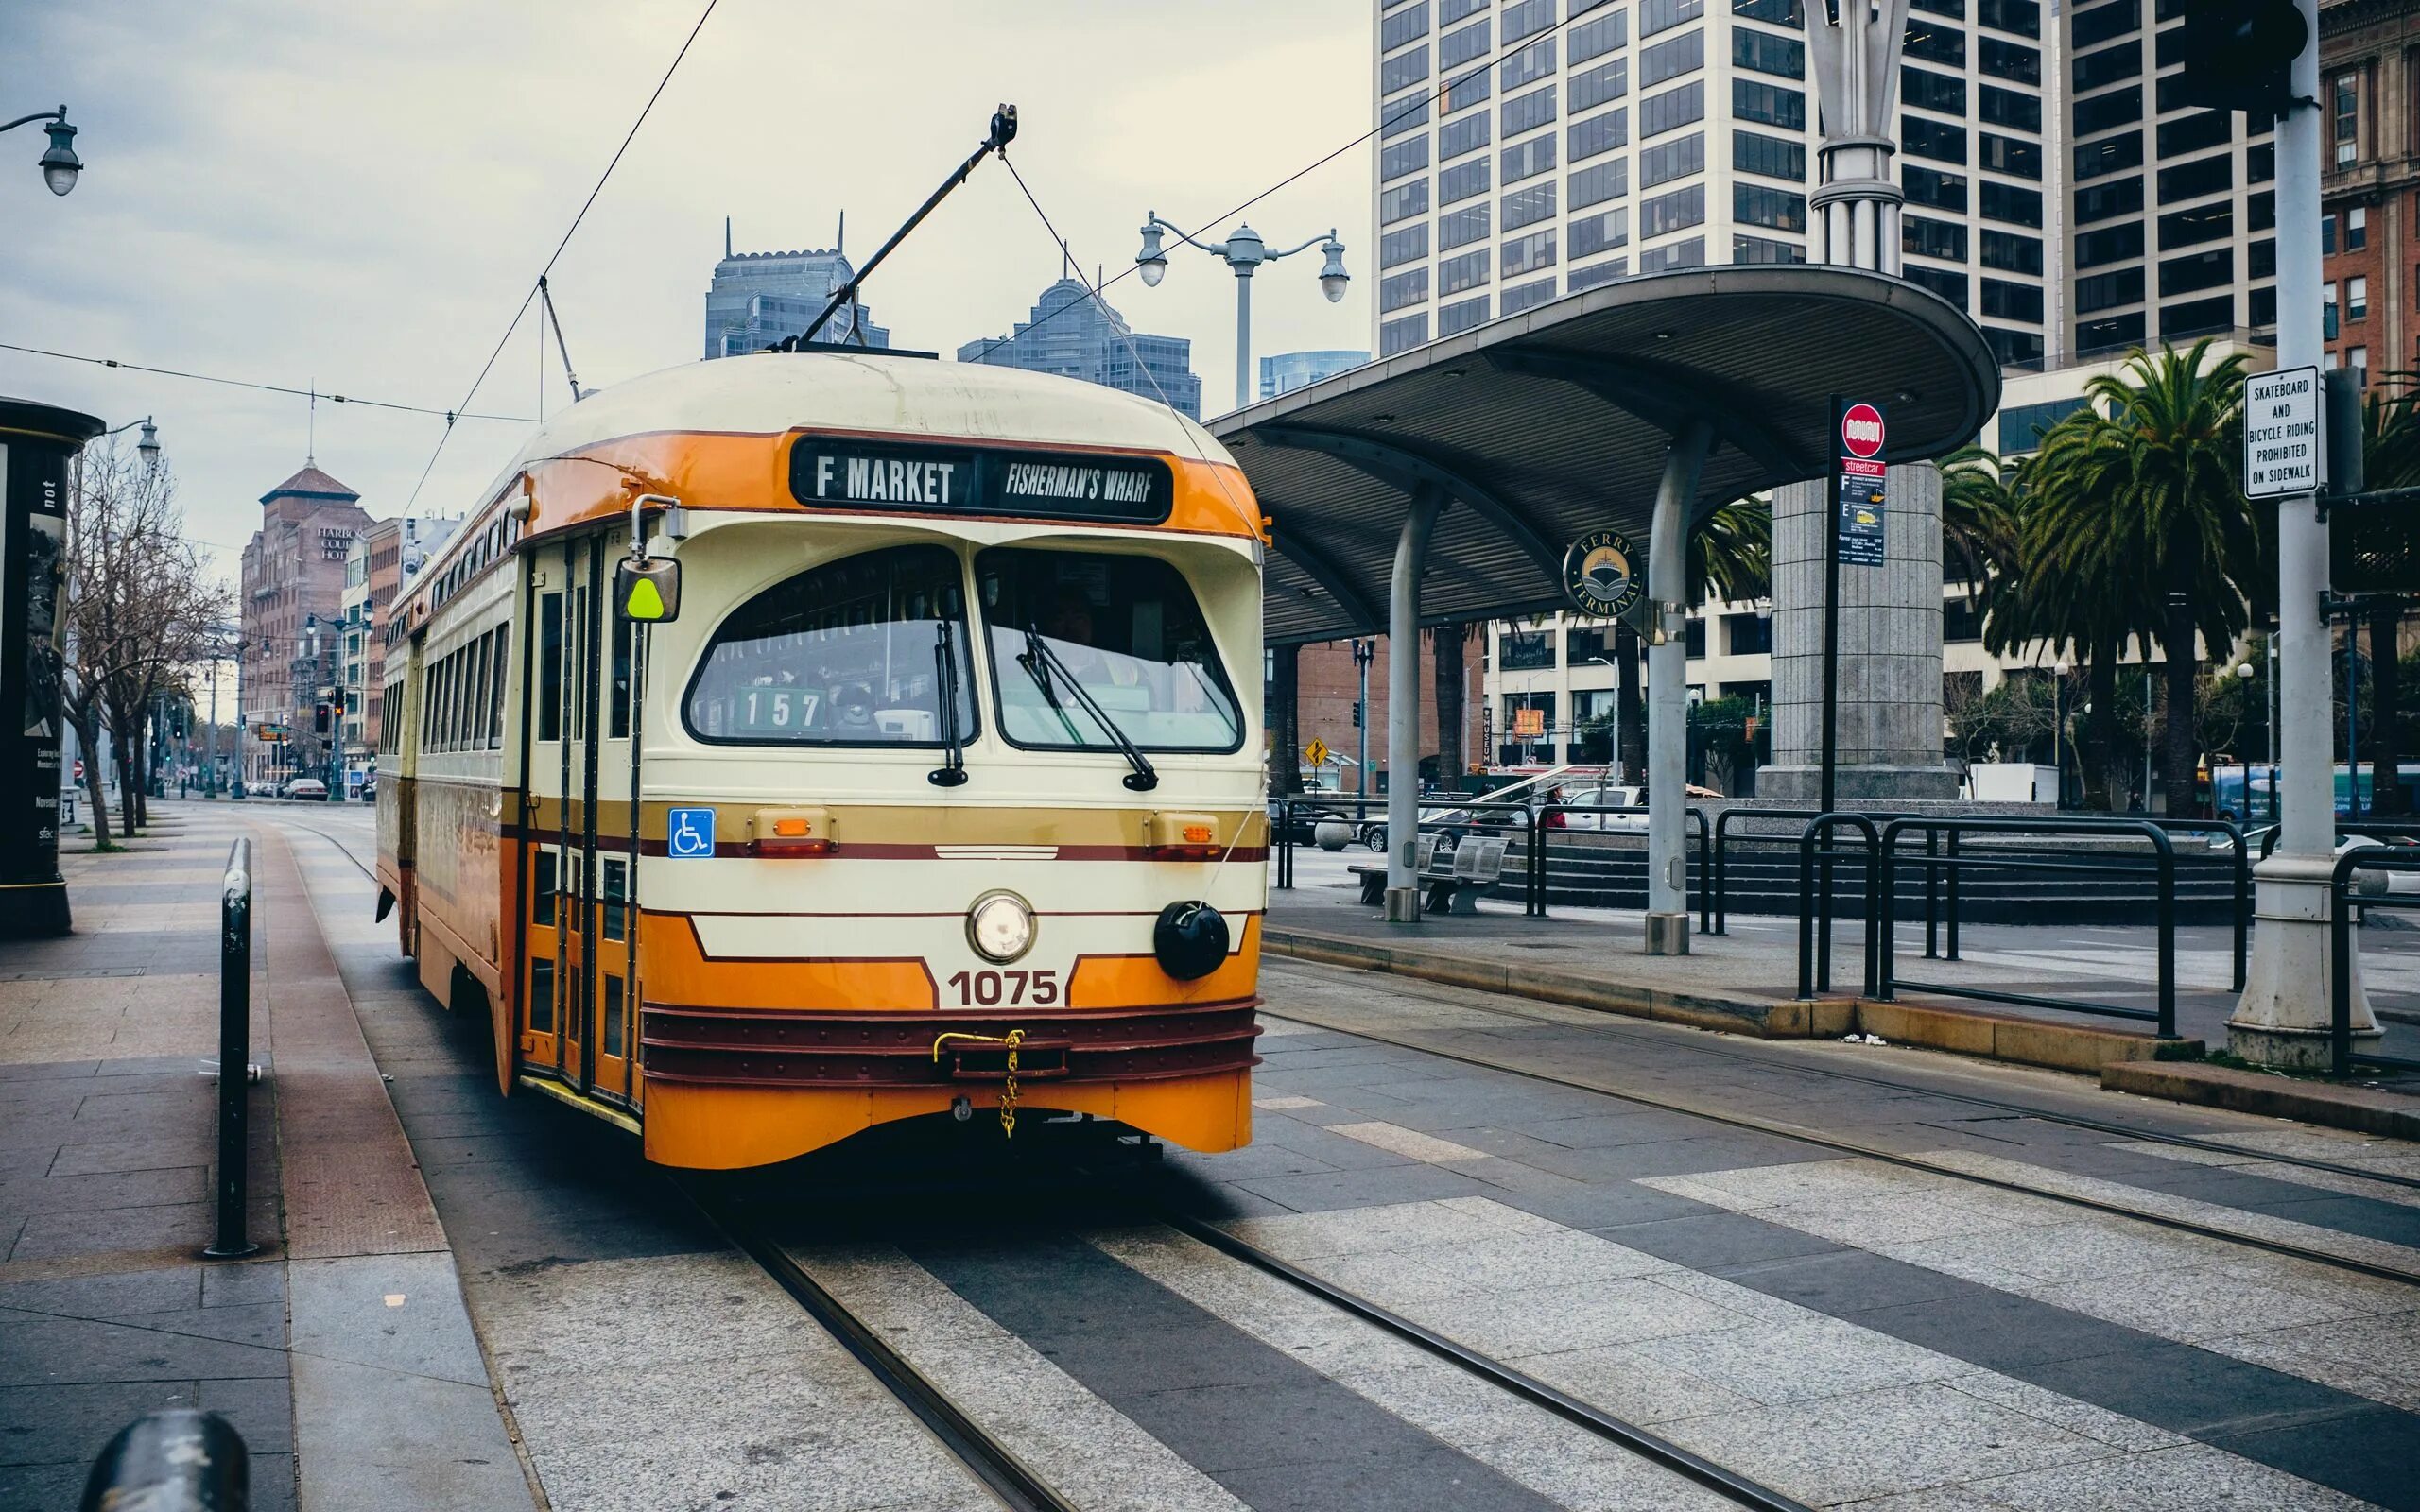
{"points": [[1548, 425]]}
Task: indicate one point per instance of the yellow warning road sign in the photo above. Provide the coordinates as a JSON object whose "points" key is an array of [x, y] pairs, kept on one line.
{"points": [[1316, 752]]}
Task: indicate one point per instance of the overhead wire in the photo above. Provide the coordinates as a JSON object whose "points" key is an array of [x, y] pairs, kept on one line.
{"points": [[1405, 112], [311, 392], [514, 324]]}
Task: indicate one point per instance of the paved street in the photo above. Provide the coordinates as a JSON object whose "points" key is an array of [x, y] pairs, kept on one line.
{"points": [[1848, 1274]]}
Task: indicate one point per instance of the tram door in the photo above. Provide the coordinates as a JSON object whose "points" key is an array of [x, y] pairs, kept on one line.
{"points": [[578, 1018]]}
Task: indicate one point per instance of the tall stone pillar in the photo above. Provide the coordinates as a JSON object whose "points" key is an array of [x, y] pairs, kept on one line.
{"points": [[1888, 746]]}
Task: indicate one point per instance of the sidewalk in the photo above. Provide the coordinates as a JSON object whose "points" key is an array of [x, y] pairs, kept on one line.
{"points": [[341, 1352]]}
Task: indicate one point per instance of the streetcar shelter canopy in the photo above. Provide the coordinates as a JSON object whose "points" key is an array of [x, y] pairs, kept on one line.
{"points": [[1445, 484], [1540, 427]]}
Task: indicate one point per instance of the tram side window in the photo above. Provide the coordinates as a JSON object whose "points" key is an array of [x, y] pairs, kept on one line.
{"points": [[495, 691], [1127, 628], [473, 728], [618, 714], [840, 655], [616, 875], [550, 667], [542, 890]]}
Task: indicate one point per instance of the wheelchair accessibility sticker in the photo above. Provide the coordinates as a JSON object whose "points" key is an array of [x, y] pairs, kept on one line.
{"points": [[691, 835]]}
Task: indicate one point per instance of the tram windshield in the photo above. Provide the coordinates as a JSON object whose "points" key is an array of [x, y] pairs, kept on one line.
{"points": [[843, 654], [1127, 629]]}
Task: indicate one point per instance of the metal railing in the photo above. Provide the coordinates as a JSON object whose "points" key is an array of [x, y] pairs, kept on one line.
{"points": [[1692, 816], [1719, 886], [177, 1458], [1884, 892], [1815, 863], [2346, 829], [235, 1053], [2339, 946]]}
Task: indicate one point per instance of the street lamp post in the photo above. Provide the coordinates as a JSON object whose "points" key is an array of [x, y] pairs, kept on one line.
{"points": [[59, 165], [1243, 251], [2058, 731], [1364, 652]]}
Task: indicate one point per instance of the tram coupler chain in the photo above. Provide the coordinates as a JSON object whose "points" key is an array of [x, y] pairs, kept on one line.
{"points": [[1013, 1042]]}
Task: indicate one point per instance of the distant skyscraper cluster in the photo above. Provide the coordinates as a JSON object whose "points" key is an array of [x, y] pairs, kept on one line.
{"points": [[761, 297], [1076, 335]]}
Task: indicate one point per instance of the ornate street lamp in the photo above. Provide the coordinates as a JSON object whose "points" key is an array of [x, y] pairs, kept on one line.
{"points": [[1242, 252], [59, 165]]}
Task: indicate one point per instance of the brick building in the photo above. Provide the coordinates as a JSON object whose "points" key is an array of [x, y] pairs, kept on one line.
{"points": [[384, 558], [293, 583], [2370, 170], [1327, 683]]}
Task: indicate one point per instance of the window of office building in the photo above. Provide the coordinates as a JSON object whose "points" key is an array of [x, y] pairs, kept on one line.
{"points": [[2356, 227], [1402, 25], [1403, 157], [1399, 247], [1596, 273], [1768, 104], [1530, 64], [1747, 249], [1601, 233], [1455, 319], [2344, 118], [1403, 70], [2110, 244], [1526, 207], [1673, 211], [2008, 203], [1927, 237], [2001, 154], [2102, 113], [2003, 300], [1449, 12], [1954, 10], [2006, 107], [1690, 253], [1928, 91], [1599, 35], [2260, 306], [1460, 228], [2191, 133], [1527, 254], [1596, 184], [1675, 158], [1663, 15], [1469, 89], [2014, 349], [1937, 140], [2260, 163], [1764, 53], [2357, 298], [1527, 112], [1777, 209], [1403, 201], [2190, 181], [2196, 272], [1658, 113], [1935, 43], [1526, 295], [2093, 71], [1671, 58], [1601, 133], [1925, 186], [1399, 116], [2011, 253], [2112, 333], [1777, 13], [1774, 157], [1402, 334], [1527, 19], [1593, 87], [2196, 317], [1458, 274], [2328, 236], [2260, 210], [1455, 48], [1949, 283], [2023, 17], [1524, 159], [2203, 223], [2103, 201], [1397, 290], [2011, 60], [2260, 260], [1463, 180], [2105, 291], [2111, 154], [1466, 136], [2095, 25]]}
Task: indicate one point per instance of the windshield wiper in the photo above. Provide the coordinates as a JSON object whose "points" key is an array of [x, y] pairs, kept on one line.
{"points": [[1040, 661], [952, 771]]}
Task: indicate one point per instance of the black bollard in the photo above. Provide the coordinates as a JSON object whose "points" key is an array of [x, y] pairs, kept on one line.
{"points": [[174, 1461], [235, 1052]]}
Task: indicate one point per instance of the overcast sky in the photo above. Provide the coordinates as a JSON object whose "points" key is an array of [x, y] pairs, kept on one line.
{"points": [[358, 195]]}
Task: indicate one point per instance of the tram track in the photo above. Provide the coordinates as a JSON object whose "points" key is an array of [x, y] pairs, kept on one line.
{"points": [[1837, 1145]]}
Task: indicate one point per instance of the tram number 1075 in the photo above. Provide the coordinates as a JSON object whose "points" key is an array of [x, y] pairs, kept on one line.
{"points": [[989, 989]]}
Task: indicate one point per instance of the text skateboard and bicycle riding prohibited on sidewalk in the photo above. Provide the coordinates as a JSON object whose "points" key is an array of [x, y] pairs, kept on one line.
{"points": [[2282, 450]]}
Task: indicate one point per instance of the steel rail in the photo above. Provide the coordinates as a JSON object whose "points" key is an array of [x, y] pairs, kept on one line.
{"points": [[991, 1462], [1647, 1446], [1911, 1162]]}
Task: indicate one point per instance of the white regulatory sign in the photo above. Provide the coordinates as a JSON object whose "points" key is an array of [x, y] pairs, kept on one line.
{"points": [[2283, 453]]}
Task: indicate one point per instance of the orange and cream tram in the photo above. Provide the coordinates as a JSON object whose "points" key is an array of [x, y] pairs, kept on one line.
{"points": [[910, 766]]}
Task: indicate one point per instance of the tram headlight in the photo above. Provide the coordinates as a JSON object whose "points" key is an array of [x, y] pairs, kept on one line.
{"points": [[1000, 926]]}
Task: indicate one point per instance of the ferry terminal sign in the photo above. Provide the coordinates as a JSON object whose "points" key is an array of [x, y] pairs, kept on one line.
{"points": [[1600, 575], [2282, 450]]}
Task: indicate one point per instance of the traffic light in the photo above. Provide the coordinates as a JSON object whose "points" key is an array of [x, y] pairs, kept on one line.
{"points": [[336, 703], [320, 719], [2237, 54]]}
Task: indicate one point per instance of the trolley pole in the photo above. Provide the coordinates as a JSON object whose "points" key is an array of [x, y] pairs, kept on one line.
{"points": [[2282, 1019]]}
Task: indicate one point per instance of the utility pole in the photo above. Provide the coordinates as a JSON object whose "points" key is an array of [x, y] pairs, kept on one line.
{"points": [[1363, 653], [2282, 1019]]}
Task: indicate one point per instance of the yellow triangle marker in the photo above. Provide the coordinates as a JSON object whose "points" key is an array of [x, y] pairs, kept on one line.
{"points": [[646, 602]]}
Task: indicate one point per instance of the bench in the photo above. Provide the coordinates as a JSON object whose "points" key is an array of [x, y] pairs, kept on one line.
{"points": [[1452, 879]]}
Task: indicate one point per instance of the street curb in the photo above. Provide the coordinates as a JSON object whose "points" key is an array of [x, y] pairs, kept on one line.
{"points": [[1960, 1030], [2358, 1109]]}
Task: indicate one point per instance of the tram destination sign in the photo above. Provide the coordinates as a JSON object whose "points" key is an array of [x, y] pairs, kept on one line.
{"points": [[2283, 453], [841, 473]]}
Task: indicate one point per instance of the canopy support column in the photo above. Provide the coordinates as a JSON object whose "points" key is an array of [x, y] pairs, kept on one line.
{"points": [[1403, 705], [1667, 693]]}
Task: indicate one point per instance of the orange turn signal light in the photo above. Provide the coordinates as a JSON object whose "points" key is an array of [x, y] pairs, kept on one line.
{"points": [[1182, 837], [792, 832]]}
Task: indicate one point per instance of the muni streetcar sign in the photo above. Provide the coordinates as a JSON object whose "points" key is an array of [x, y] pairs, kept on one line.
{"points": [[2282, 446]]}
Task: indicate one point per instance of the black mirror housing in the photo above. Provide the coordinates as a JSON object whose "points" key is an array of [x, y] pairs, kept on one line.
{"points": [[648, 591]]}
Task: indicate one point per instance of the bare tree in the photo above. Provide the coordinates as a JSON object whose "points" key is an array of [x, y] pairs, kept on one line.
{"points": [[138, 614]]}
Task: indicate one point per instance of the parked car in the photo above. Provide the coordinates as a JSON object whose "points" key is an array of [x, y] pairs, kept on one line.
{"points": [[2377, 883], [1302, 818], [305, 787], [1606, 796]]}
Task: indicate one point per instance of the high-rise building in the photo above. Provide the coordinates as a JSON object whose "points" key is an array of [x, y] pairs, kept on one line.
{"points": [[2369, 181], [1289, 371], [293, 588], [1644, 135], [761, 297], [1075, 334], [2170, 227]]}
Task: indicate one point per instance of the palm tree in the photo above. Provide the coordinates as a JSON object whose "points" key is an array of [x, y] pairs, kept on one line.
{"points": [[2137, 495], [1978, 518], [2380, 546]]}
